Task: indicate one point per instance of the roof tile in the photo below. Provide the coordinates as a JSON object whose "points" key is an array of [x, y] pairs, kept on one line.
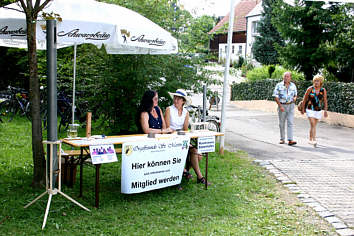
{"points": [[241, 10]]}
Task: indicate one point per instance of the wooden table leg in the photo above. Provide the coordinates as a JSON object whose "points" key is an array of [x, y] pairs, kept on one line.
{"points": [[206, 171], [65, 172], [71, 166], [81, 171], [97, 186]]}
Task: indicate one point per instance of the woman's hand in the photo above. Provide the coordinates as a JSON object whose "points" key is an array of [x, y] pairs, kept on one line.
{"points": [[166, 131], [325, 114]]}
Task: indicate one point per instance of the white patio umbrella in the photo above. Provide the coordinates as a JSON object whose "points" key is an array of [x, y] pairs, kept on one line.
{"points": [[121, 30]]}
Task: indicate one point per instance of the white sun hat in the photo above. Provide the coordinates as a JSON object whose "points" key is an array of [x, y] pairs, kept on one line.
{"points": [[182, 93]]}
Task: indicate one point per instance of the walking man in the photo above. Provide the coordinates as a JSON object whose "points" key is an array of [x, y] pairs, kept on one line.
{"points": [[285, 94]]}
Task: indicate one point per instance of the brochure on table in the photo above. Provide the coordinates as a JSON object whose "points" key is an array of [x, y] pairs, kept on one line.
{"points": [[104, 153], [153, 164]]}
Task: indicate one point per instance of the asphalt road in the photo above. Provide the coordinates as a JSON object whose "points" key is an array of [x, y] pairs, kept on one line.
{"points": [[257, 133]]}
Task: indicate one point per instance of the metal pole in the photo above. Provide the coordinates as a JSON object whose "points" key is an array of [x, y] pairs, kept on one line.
{"points": [[204, 103], [74, 78], [52, 92], [225, 96]]}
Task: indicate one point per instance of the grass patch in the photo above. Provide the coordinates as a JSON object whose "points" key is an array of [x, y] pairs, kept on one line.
{"points": [[242, 200]]}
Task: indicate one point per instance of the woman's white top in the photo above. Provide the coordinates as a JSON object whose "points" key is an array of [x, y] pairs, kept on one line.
{"points": [[177, 121]]}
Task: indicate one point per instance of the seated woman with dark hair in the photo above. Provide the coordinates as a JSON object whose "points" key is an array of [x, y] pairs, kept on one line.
{"points": [[150, 116]]}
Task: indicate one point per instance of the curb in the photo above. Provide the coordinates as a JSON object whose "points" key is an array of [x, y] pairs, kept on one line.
{"points": [[340, 227]]}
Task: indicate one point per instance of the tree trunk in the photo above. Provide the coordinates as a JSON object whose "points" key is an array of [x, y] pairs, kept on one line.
{"points": [[34, 93]]}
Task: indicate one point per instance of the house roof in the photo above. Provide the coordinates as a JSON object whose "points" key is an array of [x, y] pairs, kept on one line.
{"points": [[241, 10], [256, 11]]}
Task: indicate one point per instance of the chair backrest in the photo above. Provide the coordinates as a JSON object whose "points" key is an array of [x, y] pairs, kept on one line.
{"points": [[88, 124]]}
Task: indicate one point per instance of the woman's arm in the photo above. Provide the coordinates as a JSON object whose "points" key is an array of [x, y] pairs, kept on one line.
{"points": [[325, 102], [306, 97], [186, 122], [167, 117]]}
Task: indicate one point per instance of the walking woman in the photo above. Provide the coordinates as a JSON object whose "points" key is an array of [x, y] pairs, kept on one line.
{"points": [[314, 100]]}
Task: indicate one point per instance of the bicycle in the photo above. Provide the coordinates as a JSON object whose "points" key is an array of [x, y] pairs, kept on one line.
{"points": [[14, 102], [196, 115], [64, 111]]}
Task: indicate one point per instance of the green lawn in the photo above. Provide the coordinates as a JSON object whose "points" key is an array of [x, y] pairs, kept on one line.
{"points": [[242, 200]]}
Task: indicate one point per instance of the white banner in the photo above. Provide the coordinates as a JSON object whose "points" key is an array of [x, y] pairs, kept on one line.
{"points": [[206, 144], [103, 154], [154, 164]]}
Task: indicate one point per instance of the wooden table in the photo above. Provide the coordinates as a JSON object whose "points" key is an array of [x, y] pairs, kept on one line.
{"points": [[84, 143]]}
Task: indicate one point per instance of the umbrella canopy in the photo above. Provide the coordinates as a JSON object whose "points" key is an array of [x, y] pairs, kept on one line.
{"points": [[121, 30]]}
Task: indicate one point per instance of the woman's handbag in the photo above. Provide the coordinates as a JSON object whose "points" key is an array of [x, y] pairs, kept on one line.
{"points": [[299, 106]]}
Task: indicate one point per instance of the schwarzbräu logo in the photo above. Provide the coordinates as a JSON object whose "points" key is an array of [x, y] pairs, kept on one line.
{"points": [[18, 32], [75, 33]]}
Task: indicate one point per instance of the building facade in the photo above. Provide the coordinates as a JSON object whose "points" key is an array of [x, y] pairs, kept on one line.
{"points": [[218, 44], [252, 21]]}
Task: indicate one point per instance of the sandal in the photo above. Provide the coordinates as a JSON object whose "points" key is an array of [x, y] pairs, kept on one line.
{"points": [[202, 181], [187, 175], [179, 187]]}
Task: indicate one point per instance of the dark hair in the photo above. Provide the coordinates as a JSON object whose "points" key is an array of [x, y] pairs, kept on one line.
{"points": [[146, 105], [146, 102]]}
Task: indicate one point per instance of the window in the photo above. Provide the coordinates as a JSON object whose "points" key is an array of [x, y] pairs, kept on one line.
{"points": [[254, 27], [233, 49], [239, 49]]}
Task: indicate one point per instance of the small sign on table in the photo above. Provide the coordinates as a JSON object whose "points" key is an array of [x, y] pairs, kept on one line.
{"points": [[206, 144], [104, 153]]}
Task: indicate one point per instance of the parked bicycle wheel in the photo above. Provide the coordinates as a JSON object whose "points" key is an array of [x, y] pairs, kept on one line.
{"points": [[7, 112], [213, 126]]}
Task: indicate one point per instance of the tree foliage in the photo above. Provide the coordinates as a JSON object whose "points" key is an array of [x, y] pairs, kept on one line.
{"points": [[195, 37], [307, 27], [341, 64], [263, 48]]}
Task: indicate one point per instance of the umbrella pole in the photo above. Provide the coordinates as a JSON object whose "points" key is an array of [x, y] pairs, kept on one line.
{"points": [[74, 77]]}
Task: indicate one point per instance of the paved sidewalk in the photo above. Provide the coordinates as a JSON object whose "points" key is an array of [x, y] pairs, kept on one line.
{"points": [[323, 177]]}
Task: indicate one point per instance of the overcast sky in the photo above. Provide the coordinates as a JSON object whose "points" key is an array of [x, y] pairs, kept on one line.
{"points": [[207, 7]]}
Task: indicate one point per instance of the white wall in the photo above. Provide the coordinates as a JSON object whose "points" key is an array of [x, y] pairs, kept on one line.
{"points": [[251, 35], [239, 49]]}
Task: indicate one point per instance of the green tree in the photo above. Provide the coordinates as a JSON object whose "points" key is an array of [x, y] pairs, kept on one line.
{"points": [[195, 37], [263, 48], [341, 64], [31, 10], [306, 27]]}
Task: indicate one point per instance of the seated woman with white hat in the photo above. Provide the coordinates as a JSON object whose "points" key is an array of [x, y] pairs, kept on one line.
{"points": [[177, 118]]}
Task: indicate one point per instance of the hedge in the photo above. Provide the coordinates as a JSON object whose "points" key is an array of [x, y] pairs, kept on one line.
{"points": [[340, 95]]}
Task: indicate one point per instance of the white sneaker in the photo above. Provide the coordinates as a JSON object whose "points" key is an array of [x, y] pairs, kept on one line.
{"points": [[310, 142]]}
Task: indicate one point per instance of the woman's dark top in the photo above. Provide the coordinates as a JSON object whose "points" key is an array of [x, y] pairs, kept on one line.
{"points": [[155, 123], [315, 100]]}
